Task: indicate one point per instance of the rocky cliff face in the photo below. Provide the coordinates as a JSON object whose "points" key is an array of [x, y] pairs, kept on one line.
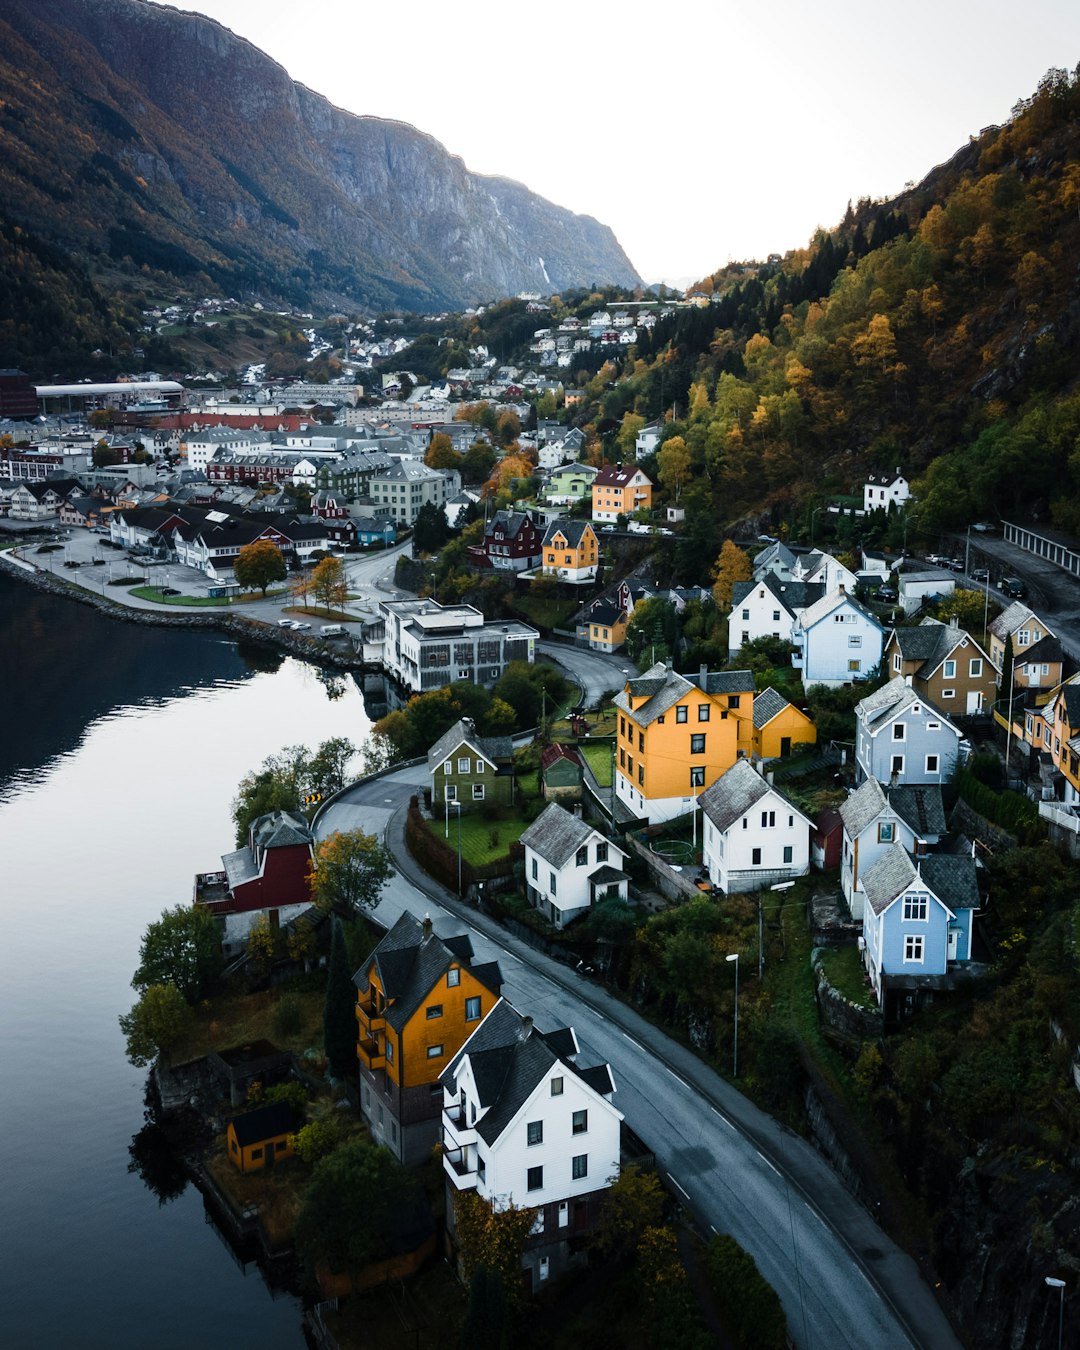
{"points": [[156, 136]]}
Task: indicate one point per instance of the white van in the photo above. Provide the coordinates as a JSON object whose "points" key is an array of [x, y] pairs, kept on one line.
{"points": [[329, 630]]}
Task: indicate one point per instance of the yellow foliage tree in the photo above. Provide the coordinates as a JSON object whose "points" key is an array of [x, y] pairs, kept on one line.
{"points": [[731, 566], [492, 1238]]}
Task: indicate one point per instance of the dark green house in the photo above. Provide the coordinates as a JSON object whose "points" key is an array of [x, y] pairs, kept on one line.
{"points": [[560, 773], [473, 770]]}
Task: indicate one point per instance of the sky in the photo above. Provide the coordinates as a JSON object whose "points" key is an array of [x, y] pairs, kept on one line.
{"points": [[700, 131]]}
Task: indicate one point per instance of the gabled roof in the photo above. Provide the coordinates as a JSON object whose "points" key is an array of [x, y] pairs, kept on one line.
{"points": [[265, 1122], [775, 552], [510, 1058], [1047, 649], [1014, 618], [551, 753], [889, 877], [724, 682], [571, 530], [920, 806], [409, 963], [661, 686], [281, 829], [916, 644], [886, 703], [617, 475], [736, 792], [495, 749], [767, 705], [605, 613], [864, 805], [1069, 693], [556, 835], [822, 608], [949, 877]]}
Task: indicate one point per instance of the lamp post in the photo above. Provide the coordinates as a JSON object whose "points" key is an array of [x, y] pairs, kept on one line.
{"points": [[1059, 1285], [735, 1069], [457, 805]]}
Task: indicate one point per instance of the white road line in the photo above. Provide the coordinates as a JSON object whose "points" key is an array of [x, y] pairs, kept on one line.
{"points": [[599, 1014], [720, 1116], [769, 1164], [678, 1187], [636, 1044], [714, 1230], [675, 1076]]}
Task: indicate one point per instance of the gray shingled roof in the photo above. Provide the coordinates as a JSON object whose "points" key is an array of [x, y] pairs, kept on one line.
{"points": [[767, 705], [917, 644], [1009, 620], [733, 794], [495, 749], [864, 805], [662, 687], [890, 875], [893, 698], [920, 805], [822, 608], [410, 964], [724, 682], [279, 829], [556, 835], [951, 877], [571, 530]]}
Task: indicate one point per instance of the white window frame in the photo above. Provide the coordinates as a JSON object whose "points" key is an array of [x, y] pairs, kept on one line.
{"points": [[934, 767], [914, 949]]}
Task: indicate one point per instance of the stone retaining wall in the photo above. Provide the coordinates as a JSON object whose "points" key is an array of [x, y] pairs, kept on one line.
{"points": [[851, 1020]]}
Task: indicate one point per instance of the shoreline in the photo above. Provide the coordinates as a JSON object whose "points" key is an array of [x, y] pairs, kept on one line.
{"points": [[234, 625]]}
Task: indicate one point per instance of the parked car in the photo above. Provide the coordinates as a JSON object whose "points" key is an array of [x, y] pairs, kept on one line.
{"points": [[980, 574], [301, 625], [285, 623], [169, 590], [957, 564], [1013, 587], [887, 595]]}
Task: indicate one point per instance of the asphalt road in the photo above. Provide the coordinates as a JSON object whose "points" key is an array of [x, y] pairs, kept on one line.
{"points": [[842, 1282], [595, 672]]}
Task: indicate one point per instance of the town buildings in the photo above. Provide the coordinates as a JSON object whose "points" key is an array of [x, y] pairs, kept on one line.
{"points": [[427, 645], [569, 866], [752, 835]]}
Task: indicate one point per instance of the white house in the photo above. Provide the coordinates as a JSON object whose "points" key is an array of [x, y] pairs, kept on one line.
{"points": [[901, 737], [930, 583], [569, 866], [200, 446], [821, 567], [882, 491], [768, 608], [524, 1126], [752, 836], [874, 820], [839, 641]]}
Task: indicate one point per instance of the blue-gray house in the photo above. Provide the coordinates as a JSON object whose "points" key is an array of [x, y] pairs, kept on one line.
{"points": [[902, 738], [917, 925]]}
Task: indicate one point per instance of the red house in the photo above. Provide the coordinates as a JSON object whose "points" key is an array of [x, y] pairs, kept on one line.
{"points": [[267, 877], [513, 542]]}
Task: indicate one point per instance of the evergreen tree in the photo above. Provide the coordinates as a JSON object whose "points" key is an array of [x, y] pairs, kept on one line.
{"points": [[339, 1018], [487, 1323]]}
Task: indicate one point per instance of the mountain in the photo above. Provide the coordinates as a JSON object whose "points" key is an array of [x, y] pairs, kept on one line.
{"points": [[138, 136]]}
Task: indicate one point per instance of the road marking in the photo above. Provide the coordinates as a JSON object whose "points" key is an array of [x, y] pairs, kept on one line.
{"points": [[511, 955], [599, 1014], [769, 1164], [675, 1076], [714, 1230], [678, 1187], [720, 1116], [636, 1044]]}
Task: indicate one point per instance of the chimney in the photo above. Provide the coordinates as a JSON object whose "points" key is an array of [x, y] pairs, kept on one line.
{"points": [[703, 677], [426, 926], [526, 1028]]}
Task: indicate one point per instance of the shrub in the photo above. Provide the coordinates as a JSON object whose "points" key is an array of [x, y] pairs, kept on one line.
{"points": [[747, 1303], [288, 1018]]}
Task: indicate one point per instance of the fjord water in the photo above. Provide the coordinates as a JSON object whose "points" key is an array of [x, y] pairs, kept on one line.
{"points": [[120, 750]]}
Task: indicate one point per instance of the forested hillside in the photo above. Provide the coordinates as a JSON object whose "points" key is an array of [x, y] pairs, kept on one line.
{"points": [[937, 332]]}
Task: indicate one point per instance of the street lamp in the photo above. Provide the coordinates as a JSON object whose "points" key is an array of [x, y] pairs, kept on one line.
{"points": [[457, 805], [1059, 1285], [735, 1071]]}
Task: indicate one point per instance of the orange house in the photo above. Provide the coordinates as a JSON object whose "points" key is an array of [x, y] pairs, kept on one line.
{"points": [[262, 1137], [779, 727], [570, 550], [418, 999], [620, 490]]}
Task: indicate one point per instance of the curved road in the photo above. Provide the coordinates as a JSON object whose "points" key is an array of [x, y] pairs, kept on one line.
{"points": [[842, 1282]]}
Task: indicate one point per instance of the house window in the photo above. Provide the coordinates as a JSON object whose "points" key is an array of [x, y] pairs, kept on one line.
{"points": [[453, 976], [768, 820], [680, 714], [446, 768], [556, 1087], [733, 700], [913, 949], [915, 908], [434, 1010], [622, 759], [479, 766], [535, 869], [886, 832], [389, 1049], [933, 726], [975, 667], [255, 1154], [581, 859], [755, 857], [579, 1167], [855, 640], [931, 763], [746, 614], [703, 712], [537, 1228], [601, 853], [854, 667], [434, 1052], [697, 744], [776, 616], [580, 1122], [897, 764], [554, 887], [948, 693], [622, 726], [697, 776], [641, 741], [536, 1179], [641, 774], [899, 731], [896, 662], [463, 765], [478, 792], [534, 1132], [451, 792], [788, 854]]}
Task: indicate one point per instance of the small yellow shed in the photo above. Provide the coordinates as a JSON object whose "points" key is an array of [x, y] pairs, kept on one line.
{"points": [[259, 1138]]}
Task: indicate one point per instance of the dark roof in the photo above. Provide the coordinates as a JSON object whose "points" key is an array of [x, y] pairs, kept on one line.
{"points": [[410, 963], [767, 705], [571, 530], [1070, 693], [599, 1079], [495, 749], [916, 644], [1047, 649], [952, 879], [265, 1122], [605, 613], [793, 595], [724, 682], [556, 835], [920, 805], [281, 829], [616, 475]]}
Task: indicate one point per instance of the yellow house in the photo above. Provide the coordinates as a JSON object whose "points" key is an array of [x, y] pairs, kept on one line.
{"points": [[1037, 652], [677, 734], [1061, 737], [779, 727], [262, 1137], [418, 1000], [606, 627], [570, 550], [620, 490]]}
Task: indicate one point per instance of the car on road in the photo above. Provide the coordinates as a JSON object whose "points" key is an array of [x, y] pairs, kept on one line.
{"points": [[606, 529], [956, 564], [169, 590], [301, 625], [980, 574], [286, 623], [1013, 587]]}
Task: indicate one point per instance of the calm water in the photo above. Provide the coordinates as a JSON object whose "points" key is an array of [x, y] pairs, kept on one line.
{"points": [[120, 751]]}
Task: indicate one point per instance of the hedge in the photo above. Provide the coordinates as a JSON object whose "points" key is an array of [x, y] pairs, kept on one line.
{"points": [[747, 1303], [1010, 810], [440, 860]]}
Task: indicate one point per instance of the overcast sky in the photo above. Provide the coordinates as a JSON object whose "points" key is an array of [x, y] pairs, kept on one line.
{"points": [[699, 130]]}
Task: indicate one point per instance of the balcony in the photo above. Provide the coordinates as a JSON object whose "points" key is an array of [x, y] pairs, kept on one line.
{"points": [[460, 1166], [457, 1133], [370, 1017], [371, 1055]]}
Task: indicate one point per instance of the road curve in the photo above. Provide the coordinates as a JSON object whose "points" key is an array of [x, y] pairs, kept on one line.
{"points": [[842, 1281]]}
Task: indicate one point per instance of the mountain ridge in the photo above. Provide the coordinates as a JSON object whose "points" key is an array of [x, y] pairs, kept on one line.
{"points": [[257, 180]]}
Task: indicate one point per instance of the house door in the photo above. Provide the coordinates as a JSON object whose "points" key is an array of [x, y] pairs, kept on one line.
{"points": [[268, 1153], [954, 934], [785, 745], [974, 701]]}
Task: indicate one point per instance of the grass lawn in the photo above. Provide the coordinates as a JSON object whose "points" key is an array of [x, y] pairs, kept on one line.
{"points": [[203, 601], [598, 758], [547, 613], [482, 841], [323, 615], [847, 976]]}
